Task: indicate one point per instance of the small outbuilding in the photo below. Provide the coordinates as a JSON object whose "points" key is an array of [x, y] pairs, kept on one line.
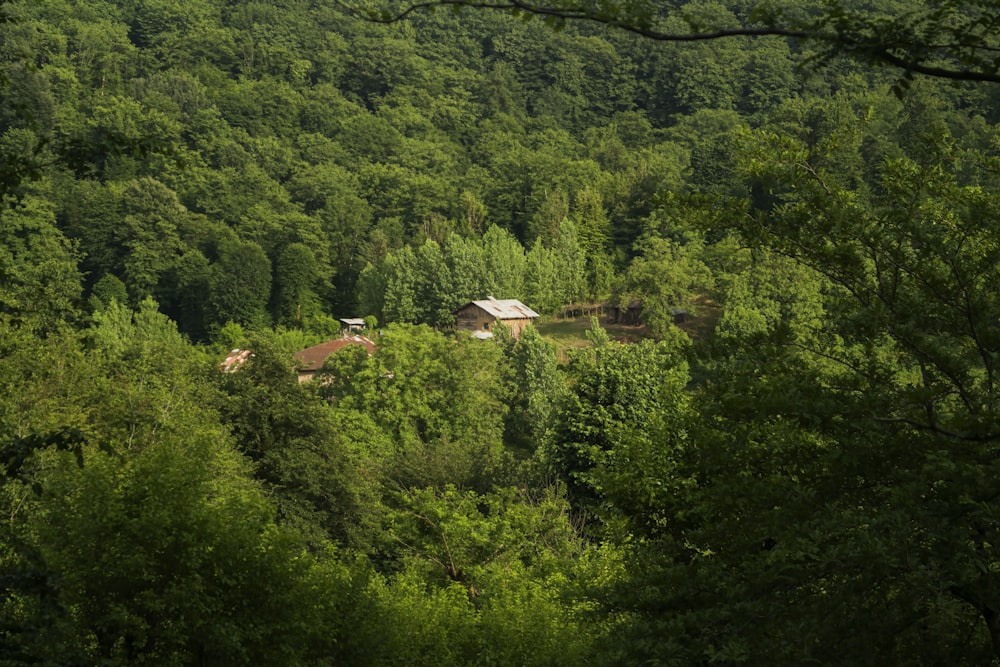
{"points": [[631, 314], [679, 315], [311, 359], [353, 323], [481, 316]]}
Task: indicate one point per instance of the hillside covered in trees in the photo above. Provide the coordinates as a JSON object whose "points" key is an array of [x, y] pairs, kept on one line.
{"points": [[814, 478]]}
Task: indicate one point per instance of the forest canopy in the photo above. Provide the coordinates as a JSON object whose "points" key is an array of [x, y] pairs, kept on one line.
{"points": [[791, 458]]}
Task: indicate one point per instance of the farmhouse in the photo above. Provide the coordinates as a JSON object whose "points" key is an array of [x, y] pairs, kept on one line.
{"points": [[311, 359], [481, 316]]}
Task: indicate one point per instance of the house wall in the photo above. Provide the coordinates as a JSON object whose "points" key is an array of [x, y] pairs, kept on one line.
{"points": [[516, 326], [474, 318]]}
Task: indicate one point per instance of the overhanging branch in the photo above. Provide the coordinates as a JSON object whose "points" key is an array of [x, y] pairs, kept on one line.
{"points": [[933, 428], [581, 15], [866, 47]]}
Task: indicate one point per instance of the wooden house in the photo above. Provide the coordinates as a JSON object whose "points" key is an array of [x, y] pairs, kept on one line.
{"points": [[481, 316]]}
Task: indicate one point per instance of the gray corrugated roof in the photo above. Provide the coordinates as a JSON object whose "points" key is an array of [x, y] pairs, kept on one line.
{"points": [[506, 309]]}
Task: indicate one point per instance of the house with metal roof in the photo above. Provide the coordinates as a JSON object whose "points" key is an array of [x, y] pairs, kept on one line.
{"points": [[310, 360], [353, 323], [480, 317]]}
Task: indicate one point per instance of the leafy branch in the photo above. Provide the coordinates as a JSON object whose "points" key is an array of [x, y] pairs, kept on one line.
{"points": [[15, 456]]}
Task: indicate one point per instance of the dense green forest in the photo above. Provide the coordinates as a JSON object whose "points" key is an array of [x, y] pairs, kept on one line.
{"points": [[810, 476]]}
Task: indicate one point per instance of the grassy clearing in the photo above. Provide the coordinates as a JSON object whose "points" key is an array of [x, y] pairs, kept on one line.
{"points": [[571, 332]]}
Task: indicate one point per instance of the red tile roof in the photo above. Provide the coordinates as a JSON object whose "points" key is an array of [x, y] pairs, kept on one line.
{"points": [[312, 358]]}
